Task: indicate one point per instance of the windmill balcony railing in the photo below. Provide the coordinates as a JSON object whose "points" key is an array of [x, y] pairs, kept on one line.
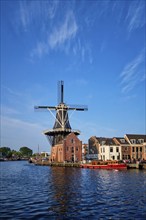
{"points": [[61, 129]]}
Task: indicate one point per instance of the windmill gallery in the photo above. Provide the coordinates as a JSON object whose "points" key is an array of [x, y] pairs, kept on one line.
{"points": [[65, 144]]}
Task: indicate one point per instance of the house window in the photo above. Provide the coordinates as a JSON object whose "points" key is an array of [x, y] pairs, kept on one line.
{"points": [[67, 148], [133, 141], [117, 149], [77, 148], [133, 149], [126, 149], [141, 141], [111, 149], [72, 149], [140, 149], [103, 150], [122, 140]]}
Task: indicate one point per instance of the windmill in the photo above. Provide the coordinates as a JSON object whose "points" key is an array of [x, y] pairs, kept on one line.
{"points": [[62, 126]]}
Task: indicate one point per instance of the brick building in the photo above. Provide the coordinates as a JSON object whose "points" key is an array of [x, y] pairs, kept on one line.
{"points": [[137, 143], [69, 149]]}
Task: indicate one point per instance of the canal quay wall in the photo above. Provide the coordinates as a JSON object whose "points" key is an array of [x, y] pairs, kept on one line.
{"points": [[78, 165]]}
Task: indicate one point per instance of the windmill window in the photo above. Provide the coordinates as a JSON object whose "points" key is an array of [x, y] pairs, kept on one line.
{"points": [[72, 140]]}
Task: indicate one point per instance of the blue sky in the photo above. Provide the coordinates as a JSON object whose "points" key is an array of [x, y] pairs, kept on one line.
{"points": [[96, 47]]}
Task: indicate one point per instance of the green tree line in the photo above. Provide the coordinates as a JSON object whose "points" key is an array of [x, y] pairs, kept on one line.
{"points": [[6, 152]]}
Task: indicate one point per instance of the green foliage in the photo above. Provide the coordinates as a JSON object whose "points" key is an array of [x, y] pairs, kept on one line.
{"points": [[5, 151], [25, 151]]}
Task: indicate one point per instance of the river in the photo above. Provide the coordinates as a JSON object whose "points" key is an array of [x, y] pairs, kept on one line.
{"points": [[41, 192]]}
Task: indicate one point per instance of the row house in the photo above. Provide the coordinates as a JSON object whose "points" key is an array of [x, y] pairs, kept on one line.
{"points": [[69, 149], [125, 147], [84, 151], [104, 148], [109, 150], [93, 148], [137, 145], [129, 147]]}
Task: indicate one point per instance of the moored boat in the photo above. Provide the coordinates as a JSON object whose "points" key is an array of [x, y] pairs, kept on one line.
{"points": [[107, 165]]}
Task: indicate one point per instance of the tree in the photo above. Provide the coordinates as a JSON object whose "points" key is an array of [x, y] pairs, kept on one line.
{"points": [[25, 151], [5, 151]]}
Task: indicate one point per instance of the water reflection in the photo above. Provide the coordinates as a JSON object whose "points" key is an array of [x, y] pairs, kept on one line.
{"points": [[82, 193], [33, 192]]}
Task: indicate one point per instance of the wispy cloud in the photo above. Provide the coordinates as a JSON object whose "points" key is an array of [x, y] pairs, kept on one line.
{"points": [[30, 11], [136, 15], [40, 49], [132, 73], [64, 32], [59, 37]]}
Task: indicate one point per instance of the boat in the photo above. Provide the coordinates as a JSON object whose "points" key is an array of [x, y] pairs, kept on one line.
{"points": [[109, 165]]}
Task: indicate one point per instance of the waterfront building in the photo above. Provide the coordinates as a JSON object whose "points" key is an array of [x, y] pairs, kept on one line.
{"points": [[109, 150], [125, 147], [68, 150], [137, 144], [103, 148], [93, 148], [84, 151], [130, 147]]}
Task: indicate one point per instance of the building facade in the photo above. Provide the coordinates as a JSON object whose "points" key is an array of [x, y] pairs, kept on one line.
{"points": [[109, 150], [137, 145], [69, 150], [125, 147], [130, 147]]}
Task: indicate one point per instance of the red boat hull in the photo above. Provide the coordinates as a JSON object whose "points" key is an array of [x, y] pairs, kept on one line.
{"points": [[108, 166]]}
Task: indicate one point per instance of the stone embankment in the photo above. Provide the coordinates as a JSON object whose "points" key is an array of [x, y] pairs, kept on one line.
{"points": [[40, 162]]}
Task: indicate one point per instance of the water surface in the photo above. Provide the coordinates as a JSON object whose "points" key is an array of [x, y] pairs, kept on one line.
{"points": [[40, 192]]}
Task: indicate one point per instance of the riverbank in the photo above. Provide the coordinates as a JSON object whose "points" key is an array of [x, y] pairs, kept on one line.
{"points": [[90, 165], [6, 160]]}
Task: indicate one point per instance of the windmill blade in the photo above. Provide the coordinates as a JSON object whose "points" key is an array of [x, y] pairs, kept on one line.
{"points": [[45, 107], [77, 107]]}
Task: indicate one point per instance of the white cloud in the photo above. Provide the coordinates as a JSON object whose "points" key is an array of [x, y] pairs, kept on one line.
{"points": [[30, 11], [64, 32], [132, 73], [136, 15], [41, 49]]}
